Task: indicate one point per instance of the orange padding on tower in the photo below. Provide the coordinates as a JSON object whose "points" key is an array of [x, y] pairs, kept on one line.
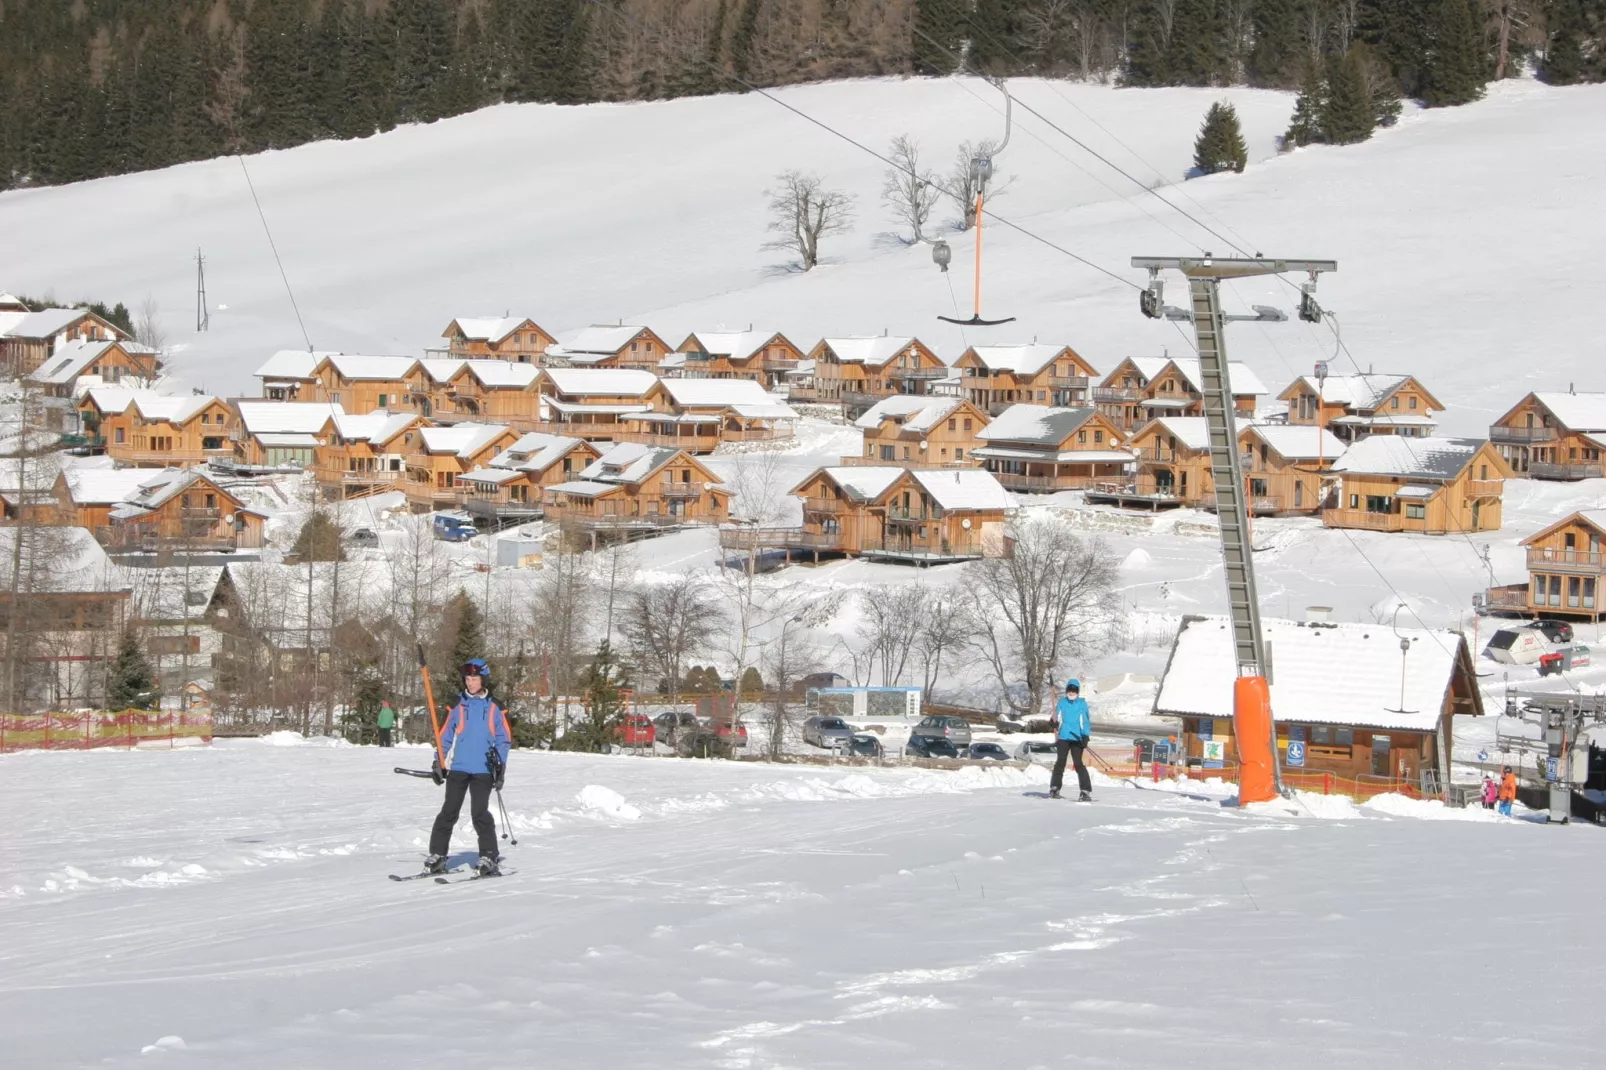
{"points": [[1251, 720]]}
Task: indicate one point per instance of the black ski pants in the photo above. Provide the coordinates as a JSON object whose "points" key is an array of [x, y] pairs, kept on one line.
{"points": [[384, 737], [477, 786], [1073, 748]]}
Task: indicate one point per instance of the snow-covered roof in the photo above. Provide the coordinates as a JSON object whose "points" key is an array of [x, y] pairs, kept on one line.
{"points": [[1191, 431], [912, 411], [1199, 679], [11, 301], [1025, 359], [627, 462], [1365, 392], [535, 452], [737, 345], [361, 366], [465, 440], [585, 488], [873, 351], [174, 410], [39, 472], [744, 396], [601, 382], [1577, 412], [304, 417], [963, 489], [287, 439], [1418, 458], [377, 426], [1040, 424], [108, 486], [502, 372], [1385, 419], [1243, 380], [488, 328], [69, 360], [605, 410], [1004, 453], [491, 475], [110, 399], [866, 484], [173, 592], [601, 339], [59, 560], [1297, 442], [46, 323], [441, 369], [157, 489], [292, 364]]}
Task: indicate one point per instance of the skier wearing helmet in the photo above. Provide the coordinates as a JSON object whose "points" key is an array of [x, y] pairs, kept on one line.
{"points": [[1073, 727], [475, 739]]}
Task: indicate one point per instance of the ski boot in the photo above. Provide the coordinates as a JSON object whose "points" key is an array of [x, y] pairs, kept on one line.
{"points": [[488, 866], [1053, 793], [1086, 796], [435, 864]]}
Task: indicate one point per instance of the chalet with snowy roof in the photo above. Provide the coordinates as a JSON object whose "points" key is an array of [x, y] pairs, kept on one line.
{"points": [[493, 391], [361, 454], [1045, 449], [1355, 406], [360, 383], [1356, 728], [1287, 467], [633, 489], [32, 488], [156, 432], [1282, 467], [1566, 569], [182, 512], [79, 364], [699, 414], [282, 434], [71, 596], [442, 454], [1554, 435], [30, 339], [1434, 485], [11, 304], [288, 374], [605, 346], [1173, 467], [510, 487], [589, 403], [858, 372], [508, 338], [764, 357], [429, 385], [168, 608], [1140, 389], [920, 431], [996, 377], [90, 494]]}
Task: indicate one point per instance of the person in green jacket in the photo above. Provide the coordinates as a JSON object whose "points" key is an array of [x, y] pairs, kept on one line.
{"points": [[387, 721]]}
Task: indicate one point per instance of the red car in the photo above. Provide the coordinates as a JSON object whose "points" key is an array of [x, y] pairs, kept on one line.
{"points": [[735, 735], [636, 730]]}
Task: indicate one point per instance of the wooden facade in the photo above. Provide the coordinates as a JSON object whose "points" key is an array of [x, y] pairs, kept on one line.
{"points": [[1554, 435], [361, 384], [589, 403], [509, 338], [184, 513], [1043, 449], [607, 346], [996, 377], [1173, 466], [512, 486], [1355, 406], [1435, 486], [441, 454], [1288, 468], [763, 358], [1140, 389], [700, 414], [1566, 569], [32, 339], [361, 454], [497, 392], [633, 489], [858, 372], [920, 431], [158, 432]]}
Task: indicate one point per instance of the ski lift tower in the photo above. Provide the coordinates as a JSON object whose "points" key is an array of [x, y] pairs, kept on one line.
{"points": [[1255, 729]]}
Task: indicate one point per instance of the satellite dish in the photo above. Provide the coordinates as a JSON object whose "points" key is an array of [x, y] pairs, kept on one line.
{"points": [[229, 520], [965, 523], [923, 446]]}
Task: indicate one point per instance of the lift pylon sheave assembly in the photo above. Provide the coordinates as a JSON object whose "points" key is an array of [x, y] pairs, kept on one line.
{"points": [[1254, 728], [982, 169]]}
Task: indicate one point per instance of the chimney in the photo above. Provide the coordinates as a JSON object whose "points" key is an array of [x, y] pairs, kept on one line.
{"points": [[1318, 614]]}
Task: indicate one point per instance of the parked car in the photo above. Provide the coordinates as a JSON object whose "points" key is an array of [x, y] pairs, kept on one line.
{"points": [[364, 537], [1556, 631], [672, 724], [734, 734], [864, 745], [930, 747], [955, 730], [827, 732], [1035, 750], [701, 741], [636, 730], [452, 528], [986, 752], [1516, 646]]}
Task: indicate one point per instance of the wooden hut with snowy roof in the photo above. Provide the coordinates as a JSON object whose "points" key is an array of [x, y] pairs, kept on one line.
{"points": [[610, 346], [1357, 406], [762, 356], [590, 403], [1140, 389], [518, 339], [859, 371], [440, 455], [996, 377], [1045, 449], [1566, 569], [1434, 485], [1554, 435], [920, 430], [509, 487], [699, 414], [633, 489]]}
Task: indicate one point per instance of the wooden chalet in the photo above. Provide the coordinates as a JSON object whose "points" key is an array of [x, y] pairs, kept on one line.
{"points": [[762, 357], [510, 338], [1351, 727], [429, 386], [858, 372], [359, 383], [288, 374], [79, 364], [916, 516], [155, 432], [637, 489], [88, 495], [510, 487], [1288, 467], [1566, 568], [362, 454], [996, 377], [604, 346], [442, 454], [1355, 406], [1140, 389], [29, 339], [590, 403], [182, 512], [282, 434], [699, 414], [1173, 467], [924, 431], [1554, 435], [493, 391], [1046, 449], [31, 487], [1434, 485]]}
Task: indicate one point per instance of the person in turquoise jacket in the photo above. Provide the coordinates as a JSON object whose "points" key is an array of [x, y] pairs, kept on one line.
{"points": [[476, 740], [1073, 728]]}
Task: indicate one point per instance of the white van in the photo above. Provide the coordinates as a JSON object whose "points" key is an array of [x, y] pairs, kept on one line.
{"points": [[1516, 646]]}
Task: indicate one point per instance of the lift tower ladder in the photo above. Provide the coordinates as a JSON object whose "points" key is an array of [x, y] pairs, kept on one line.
{"points": [[1204, 275]]}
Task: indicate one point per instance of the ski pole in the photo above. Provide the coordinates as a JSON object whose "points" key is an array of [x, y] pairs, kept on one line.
{"points": [[507, 826], [429, 697], [425, 773]]}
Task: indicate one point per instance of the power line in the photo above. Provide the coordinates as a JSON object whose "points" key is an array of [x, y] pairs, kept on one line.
{"points": [[265, 229]]}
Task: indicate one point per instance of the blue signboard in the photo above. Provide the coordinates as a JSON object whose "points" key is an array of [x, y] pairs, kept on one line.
{"points": [[1553, 770], [1296, 746]]}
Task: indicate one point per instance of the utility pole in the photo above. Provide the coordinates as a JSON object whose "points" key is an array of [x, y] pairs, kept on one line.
{"points": [[203, 317], [1254, 728]]}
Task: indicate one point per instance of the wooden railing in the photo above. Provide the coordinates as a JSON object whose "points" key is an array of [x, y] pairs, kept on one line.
{"points": [[1116, 393], [1566, 560], [1553, 470], [1498, 433], [1511, 597], [1485, 488], [823, 505], [1360, 518], [671, 489], [739, 538]]}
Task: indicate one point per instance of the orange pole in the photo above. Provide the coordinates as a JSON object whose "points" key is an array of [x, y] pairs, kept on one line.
{"points": [[979, 200], [1252, 724], [429, 697]]}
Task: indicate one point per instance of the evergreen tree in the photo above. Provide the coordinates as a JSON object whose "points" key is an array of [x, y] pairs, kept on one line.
{"points": [[1274, 59], [1575, 42], [1456, 61], [361, 718], [939, 35], [131, 682], [741, 50], [319, 539], [1220, 144], [468, 635], [752, 685], [597, 730], [1347, 116], [1305, 127]]}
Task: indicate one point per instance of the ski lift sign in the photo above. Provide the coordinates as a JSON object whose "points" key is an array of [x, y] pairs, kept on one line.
{"points": [[1213, 750], [1294, 757]]}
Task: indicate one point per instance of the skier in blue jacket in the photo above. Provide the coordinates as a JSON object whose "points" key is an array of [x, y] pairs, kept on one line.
{"points": [[475, 739], [1074, 727]]}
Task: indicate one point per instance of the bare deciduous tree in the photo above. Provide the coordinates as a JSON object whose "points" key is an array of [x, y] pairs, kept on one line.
{"points": [[802, 211], [889, 623], [944, 628], [1049, 598], [910, 191], [148, 331], [665, 623], [965, 182]]}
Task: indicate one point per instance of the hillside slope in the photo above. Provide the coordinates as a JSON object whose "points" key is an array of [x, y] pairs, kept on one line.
{"points": [[655, 212]]}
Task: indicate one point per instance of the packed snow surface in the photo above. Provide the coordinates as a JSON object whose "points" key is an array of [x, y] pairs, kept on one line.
{"points": [[229, 907]]}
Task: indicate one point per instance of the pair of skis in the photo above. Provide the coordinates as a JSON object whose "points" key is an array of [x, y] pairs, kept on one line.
{"points": [[461, 875]]}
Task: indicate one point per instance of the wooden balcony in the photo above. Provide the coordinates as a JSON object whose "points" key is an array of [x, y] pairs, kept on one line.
{"points": [[1519, 435], [671, 489], [1360, 518], [1040, 484], [1512, 598], [1552, 470], [627, 521], [750, 539], [1116, 393], [498, 508], [694, 443], [898, 514], [1583, 562], [373, 475], [832, 506], [1067, 382], [912, 552], [1485, 488]]}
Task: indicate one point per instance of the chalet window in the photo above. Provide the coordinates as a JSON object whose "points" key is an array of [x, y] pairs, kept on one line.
{"points": [[1589, 592], [1394, 402], [953, 425], [1354, 501], [1041, 395], [117, 436], [967, 423], [945, 453], [1483, 472], [1378, 503], [889, 453], [1539, 590], [959, 454], [1416, 512], [1081, 436], [211, 501], [1555, 590], [1413, 403], [383, 399], [906, 453], [1574, 591], [1569, 541], [1098, 436]]}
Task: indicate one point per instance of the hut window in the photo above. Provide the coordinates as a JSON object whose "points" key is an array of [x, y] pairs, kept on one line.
{"points": [[1098, 436], [1416, 512], [1081, 436], [1412, 403], [1589, 592], [1394, 403], [953, 425]]}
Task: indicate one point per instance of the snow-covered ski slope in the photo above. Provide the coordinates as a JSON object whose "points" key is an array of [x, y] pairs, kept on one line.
{"points": [[1464, 236], [229, 907]]}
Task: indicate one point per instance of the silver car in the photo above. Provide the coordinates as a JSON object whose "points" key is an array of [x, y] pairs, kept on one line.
{"points": [[985, 752], [1035, 750], [955, 730], [830, 732]]}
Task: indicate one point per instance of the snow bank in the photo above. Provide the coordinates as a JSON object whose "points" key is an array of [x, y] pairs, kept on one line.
{"points": [[296, 739]]}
